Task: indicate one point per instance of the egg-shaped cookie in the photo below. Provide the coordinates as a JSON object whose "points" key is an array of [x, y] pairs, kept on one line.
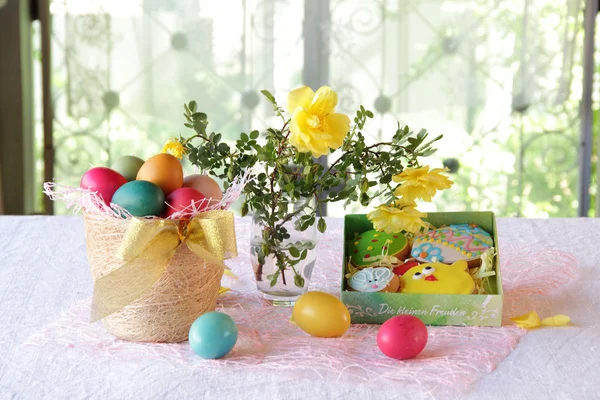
{"points": [[372, 248], [451, 243]]}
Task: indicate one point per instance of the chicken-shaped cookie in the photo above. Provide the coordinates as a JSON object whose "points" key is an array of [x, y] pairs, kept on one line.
{"points": [[438, 278]]}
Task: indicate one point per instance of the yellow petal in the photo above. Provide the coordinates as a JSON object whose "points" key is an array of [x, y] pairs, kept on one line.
{"points": [[318, 148], [527, 321], [338, 126], [301, 97], [230, 273], [223, 290], [324, 101], [557, 320]]}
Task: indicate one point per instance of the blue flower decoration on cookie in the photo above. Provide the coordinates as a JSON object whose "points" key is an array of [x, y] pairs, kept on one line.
{"points": [[427, 252]]}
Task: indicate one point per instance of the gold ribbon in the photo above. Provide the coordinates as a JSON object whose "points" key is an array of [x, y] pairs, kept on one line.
{"points": [[147, 248]]}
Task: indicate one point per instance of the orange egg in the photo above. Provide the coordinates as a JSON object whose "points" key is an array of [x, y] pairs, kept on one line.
{"points": [[205, 185], [163, 170]]}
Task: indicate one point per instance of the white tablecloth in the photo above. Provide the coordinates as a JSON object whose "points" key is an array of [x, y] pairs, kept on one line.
{"points": [[43, 271]]}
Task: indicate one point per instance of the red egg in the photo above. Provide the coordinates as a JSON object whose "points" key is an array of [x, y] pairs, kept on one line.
{"points": [[402, 337], [181, 199], [104, 181]]}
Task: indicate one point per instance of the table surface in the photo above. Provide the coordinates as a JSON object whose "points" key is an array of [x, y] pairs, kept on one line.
{"points": [[44, 271]]}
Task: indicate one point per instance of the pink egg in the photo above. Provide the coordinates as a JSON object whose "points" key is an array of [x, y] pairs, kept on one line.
{"points": [[182, 198], [205, 185], [104, 181], [402, 337]]}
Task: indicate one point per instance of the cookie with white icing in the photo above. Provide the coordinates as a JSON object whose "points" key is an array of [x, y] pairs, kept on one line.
{"points": [[452, 243], [371, 280], [376, 249]]}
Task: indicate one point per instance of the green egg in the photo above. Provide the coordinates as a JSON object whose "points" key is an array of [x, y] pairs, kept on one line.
{"points": [[128, 166], [140, 198]]}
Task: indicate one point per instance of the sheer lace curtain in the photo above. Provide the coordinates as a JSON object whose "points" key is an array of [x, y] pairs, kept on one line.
{"points": [[500, 79]]}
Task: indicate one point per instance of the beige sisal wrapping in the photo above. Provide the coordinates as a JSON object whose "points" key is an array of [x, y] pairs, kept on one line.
{"points": [[187, 289]]}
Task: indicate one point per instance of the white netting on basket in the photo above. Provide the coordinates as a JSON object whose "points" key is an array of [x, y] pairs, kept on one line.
{"points": [[78, 199]]}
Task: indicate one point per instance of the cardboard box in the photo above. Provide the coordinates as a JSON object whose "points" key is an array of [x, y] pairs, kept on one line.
{"points": [[440, 309]]}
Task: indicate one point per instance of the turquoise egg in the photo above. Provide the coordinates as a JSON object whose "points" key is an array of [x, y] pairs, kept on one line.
{"points": [[213, 335], [128, 166], [140, 198]]}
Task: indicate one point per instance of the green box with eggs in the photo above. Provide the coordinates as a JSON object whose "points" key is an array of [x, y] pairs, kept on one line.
{"points": [[432, 309]]}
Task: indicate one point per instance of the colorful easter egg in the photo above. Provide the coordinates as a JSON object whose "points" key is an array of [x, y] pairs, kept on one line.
{"points": [[128, 166], [181, 199], [402, 337], [104, 181], [140, 198], [205, 185], [163, 170], [213, 335], [321, 314]]}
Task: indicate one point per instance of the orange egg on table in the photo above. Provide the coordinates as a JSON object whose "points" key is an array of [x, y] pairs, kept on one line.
{"points": [[205, 185], [163, 170]]}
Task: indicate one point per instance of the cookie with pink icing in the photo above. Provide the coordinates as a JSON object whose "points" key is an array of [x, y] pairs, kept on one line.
{"points": [[449, 244]]}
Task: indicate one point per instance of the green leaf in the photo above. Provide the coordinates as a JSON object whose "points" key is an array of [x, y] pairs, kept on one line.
{"points": [[322, 225], [303, 254], [299, 281], [274, 277], [268, 95], [294, 252], [192, 105], [244, 137], [254, 135]]}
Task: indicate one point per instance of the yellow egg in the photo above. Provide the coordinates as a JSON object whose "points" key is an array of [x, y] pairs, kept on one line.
{"points": [[321, 314], [163, 170], [205, 185]]}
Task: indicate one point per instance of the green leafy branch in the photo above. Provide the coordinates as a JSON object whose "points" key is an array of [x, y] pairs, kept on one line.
{"points": [[285, 177]]}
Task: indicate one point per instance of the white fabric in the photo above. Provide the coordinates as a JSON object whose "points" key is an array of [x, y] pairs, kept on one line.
{"points": [[43, 271]]}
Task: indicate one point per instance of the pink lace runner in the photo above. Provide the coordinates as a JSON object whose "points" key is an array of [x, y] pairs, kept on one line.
{"points": [[454, 357]]}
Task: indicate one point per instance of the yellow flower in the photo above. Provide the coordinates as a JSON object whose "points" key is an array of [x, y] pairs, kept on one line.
{"points": [[314, 125], [403, 216], [174, 148], [421, 183]]}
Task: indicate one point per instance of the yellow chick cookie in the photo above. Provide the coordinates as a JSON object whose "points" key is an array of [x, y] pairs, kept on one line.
{"points": [[438, 278]]}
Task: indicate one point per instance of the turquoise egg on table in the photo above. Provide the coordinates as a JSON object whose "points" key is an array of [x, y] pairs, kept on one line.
{"points": [[128, 166], [213, 335], [140, 198]]}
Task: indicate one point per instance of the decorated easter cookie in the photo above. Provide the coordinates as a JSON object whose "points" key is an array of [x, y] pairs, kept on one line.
{"points": [[438, 278], [374, 280], [374, 248], [452, 243]]}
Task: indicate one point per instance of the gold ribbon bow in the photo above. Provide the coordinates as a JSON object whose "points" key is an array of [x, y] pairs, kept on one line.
{"points": [[147, 247]]}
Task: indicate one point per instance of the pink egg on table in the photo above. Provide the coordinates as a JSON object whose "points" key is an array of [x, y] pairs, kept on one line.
{"points": [[205, 185], [182, 198], [402, 337], [104, 181]]}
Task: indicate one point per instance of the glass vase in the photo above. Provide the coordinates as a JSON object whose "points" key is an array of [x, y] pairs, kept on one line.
{"points": [[282, 268]]}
